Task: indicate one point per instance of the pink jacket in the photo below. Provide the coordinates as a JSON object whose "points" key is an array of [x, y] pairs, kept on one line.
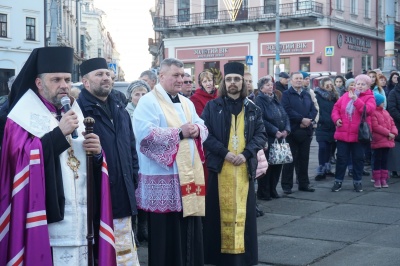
{"points": [[262, 166], [348, 132], [382, 125]]}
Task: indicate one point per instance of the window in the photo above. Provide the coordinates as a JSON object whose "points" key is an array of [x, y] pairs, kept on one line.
{"points": [[366, 62], [305, 64], [183, 10], [284, 66], [3, 25], [269, 6], [367, 9], [353, 7], [339, 5], [30, 29], [346, 64], [243, 11], [99, 52], [380, 11], [211, 9]]}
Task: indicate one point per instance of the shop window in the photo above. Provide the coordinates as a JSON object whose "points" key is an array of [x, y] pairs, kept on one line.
{"points": [[346, 64], [189, 68], [305, 64], [381, 62], [366, 62], [284, 66], [183, 10], [214, 67], [211, 9]]}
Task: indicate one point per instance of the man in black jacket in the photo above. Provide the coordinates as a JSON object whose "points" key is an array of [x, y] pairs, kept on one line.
{"points": [[282, 84], [302, 112], [236, 134], [114, 127]]}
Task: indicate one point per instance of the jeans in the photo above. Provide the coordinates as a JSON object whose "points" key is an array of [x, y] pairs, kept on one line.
{"points": [[324, 152], [344, 149]]}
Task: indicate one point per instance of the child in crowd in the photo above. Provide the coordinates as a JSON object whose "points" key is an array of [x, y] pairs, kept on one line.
{"points": [[383, 133]]}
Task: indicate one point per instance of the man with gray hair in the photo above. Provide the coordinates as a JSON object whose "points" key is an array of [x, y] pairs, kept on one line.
{"points": [[150, 77], [171, 181]]}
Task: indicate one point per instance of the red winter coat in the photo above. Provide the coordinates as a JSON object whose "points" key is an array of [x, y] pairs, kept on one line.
{"points": [[348, 132], [200, 98], [382, 125]]}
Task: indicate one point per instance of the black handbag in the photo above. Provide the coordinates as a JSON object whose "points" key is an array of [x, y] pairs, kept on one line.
{"points": [[364, 132]]}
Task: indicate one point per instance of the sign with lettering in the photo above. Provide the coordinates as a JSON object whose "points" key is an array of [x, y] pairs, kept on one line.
{"points": [[218, 51], [288, 48], [354, 43]]}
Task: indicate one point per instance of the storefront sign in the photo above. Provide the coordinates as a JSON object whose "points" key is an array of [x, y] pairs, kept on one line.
{"points": [[288, 48], [218, 51], [212, 52], [354, 43]]}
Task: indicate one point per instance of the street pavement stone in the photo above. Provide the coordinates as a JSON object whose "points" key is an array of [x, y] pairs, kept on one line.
{"points": [[386, 236], [282, 250], [327, 228], [362, 255]]}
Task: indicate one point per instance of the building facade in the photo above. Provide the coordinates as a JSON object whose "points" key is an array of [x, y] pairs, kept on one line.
{"points": [[21, 30], [315, 36]]}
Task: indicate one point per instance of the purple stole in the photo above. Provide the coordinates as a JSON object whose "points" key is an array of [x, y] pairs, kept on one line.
{"points": [[24, 236]]}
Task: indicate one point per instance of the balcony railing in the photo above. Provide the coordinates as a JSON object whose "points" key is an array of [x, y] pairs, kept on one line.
{"points": [[245, 15]]}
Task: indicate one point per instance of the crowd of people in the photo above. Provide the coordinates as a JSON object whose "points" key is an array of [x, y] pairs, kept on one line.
{"points": [[171, 167]]}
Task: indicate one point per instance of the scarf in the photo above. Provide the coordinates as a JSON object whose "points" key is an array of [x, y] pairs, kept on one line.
{"points": [[350, 105], [327, 95]]}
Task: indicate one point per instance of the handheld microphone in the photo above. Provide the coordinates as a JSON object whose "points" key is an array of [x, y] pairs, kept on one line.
{"points": [[66, 105]]}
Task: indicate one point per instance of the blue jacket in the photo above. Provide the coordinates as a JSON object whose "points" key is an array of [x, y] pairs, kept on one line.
{"points": [[118, 142], [298, 106], [274, 116]]}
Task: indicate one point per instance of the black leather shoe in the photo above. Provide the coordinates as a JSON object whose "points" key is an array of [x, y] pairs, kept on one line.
{"points": [[287, 191], [307, 189], [330, 173], [320, 177]]}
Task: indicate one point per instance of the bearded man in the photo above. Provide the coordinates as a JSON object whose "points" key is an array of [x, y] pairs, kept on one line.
{"points": [[236, 134]]}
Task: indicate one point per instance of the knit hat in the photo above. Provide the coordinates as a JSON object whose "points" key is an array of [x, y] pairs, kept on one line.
{"points": [[136, 85], [305, 74], [348, 82], [93, 64], [379, 99], [234, 68]]}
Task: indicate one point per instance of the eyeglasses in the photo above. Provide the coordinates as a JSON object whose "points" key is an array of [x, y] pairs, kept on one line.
{"points": [[248, 80], [188, 82], [235, 79]]}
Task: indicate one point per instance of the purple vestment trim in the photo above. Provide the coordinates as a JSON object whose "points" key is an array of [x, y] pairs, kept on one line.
{"points": [[23, 222]]}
